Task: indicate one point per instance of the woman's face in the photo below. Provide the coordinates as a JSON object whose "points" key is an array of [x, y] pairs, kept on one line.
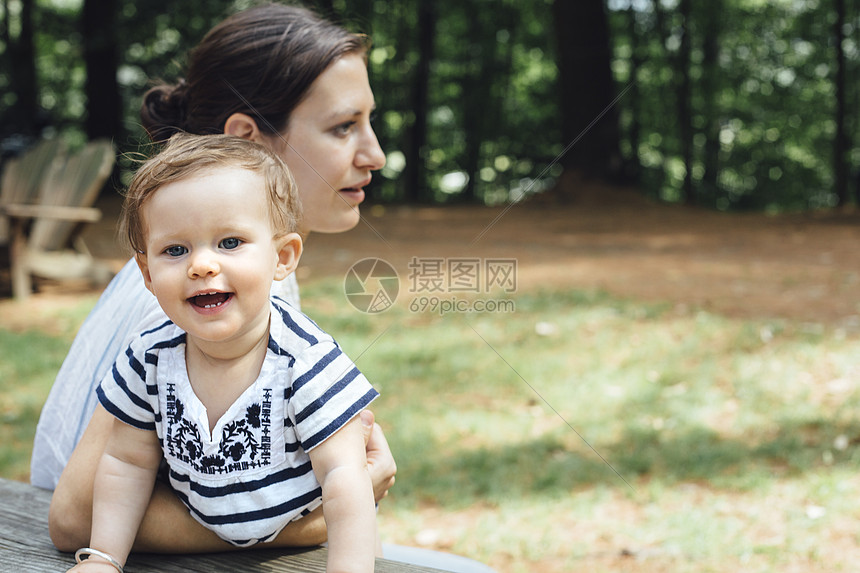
{"points": [[330, 147]]}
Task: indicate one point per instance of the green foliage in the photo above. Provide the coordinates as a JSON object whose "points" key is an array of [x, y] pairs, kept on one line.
{"points": [[767, 101], [491, 93], [762, 106]]}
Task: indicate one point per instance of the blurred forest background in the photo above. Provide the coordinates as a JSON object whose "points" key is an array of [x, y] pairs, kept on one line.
{"points": [[726, 104], [708, 359]]}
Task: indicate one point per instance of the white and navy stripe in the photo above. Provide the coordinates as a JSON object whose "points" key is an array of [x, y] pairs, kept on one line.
{"points": [[307, 390]]}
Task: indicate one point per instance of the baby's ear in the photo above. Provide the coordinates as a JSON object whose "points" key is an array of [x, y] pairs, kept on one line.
{"points": [[289, 252], [143, 265]]}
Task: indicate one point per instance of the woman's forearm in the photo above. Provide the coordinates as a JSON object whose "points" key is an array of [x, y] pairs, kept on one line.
{"points": [[167, 526]]}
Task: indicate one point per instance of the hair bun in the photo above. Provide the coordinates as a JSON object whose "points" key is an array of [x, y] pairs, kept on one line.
{"points": [[163, 110]]}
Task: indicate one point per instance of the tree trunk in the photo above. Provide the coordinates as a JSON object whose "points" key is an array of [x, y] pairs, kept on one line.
{"points": [[840, 144], [20, 56], [415, 176], [634, 167], [479, 104], [709, 83], [99, 25], [588, 117], [682, 70]]}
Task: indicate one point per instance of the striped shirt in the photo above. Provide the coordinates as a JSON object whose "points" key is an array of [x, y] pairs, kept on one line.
{"points": [[252, 474], [123, 307]]}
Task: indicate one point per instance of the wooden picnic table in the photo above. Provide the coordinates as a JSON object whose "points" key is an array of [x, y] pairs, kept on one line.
{"points": [[25, 546]]}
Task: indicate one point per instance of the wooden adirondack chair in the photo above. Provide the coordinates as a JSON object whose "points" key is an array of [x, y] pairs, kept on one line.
{"points": [[46, 196], [22, 178]]}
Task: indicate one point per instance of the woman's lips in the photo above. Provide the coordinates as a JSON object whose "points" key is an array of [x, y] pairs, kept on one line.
{"points": [[355, 195]]}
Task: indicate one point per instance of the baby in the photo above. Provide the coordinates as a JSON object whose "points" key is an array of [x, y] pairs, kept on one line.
{"points": [[251, 405]]}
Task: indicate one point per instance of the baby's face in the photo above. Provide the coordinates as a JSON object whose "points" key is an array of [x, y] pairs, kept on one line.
{"points": [[211, 254]]}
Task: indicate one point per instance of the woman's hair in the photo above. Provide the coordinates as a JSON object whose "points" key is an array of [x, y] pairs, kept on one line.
{"points": [[185, 156], [260, 62]]}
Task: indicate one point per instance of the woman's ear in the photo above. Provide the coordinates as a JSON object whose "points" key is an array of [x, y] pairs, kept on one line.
{"points": [[289, 252], [242, 125]]}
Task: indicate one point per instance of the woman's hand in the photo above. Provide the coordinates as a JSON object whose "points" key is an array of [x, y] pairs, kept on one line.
{"points": [[380, 461]]}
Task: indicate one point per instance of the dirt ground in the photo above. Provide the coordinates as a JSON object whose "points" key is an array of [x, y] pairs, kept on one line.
{"points": [[803, 267], [799, 266]]}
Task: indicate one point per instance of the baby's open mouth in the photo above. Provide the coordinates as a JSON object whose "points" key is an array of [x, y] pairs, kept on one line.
{"points": [[210, 300]]}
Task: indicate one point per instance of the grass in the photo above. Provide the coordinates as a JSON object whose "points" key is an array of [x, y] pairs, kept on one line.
{"points": [[29, 360], [627, 437]]}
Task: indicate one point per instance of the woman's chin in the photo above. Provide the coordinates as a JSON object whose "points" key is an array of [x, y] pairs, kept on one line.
{"points": [[340, 225]]}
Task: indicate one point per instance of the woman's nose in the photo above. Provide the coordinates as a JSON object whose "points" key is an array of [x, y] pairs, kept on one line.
{"points": [[369, 154]]}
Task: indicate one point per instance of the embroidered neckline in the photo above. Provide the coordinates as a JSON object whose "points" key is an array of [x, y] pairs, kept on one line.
{"points": [[245, 443]]}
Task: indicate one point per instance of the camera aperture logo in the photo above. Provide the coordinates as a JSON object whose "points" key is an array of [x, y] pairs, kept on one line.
{"points": [[371, 285]]}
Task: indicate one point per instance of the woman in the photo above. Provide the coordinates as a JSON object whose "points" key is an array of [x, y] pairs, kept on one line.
{"points": [[280, 76], [277, 75]]}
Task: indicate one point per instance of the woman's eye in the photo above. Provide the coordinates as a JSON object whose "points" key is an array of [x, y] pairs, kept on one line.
{"points": [[230, 243], [344, 128], [175, 251]]}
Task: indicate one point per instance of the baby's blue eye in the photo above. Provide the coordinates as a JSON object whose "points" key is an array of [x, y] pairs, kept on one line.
{"points": [[175, 251], [230, 243]]}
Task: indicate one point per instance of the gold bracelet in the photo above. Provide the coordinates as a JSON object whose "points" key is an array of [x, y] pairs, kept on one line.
{"points": [[97, 553]]}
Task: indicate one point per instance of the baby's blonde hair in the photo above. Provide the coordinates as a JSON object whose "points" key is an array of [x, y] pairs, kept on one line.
{"points": [[187, 155]]}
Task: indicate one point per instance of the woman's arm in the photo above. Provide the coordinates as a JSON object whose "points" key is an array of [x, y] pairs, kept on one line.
{"points": [[122, 309], [167, 526]]}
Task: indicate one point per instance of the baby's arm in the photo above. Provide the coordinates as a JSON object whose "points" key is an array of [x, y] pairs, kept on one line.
{"points": [[340, 465], [123, 486]]}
